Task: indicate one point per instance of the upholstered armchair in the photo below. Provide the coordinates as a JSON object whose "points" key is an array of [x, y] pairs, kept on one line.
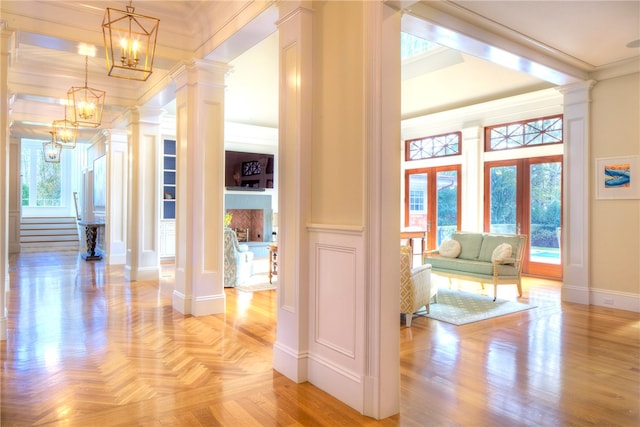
{"points": [[238, 260], [416, 290]]}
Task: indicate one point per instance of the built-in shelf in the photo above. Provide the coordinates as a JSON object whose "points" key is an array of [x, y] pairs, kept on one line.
{"points": [[169, 180], [167, 223]]}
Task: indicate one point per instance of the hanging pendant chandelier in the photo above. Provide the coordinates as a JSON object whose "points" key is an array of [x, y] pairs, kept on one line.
{"points": [[65, 132], [129, 43], [51, 151], [86, 103]]}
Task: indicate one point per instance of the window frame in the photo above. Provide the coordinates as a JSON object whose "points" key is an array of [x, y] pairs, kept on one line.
{"points": [[408, 142]]}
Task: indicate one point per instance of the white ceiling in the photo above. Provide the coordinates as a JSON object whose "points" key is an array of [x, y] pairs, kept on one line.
{"points": [[556, 42]]}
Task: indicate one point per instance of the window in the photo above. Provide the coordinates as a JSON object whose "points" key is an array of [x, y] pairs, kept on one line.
{"points": [[41, 183], [416, 201], [541, 131], [433, 146]]}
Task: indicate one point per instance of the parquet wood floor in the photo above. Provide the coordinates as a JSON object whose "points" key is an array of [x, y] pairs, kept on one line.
{"points": [[86, 347]]}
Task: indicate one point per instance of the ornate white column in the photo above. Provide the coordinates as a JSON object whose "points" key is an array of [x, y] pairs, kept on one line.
{"points": [[199, 288], [576, 192], [143, 259], [339, 262], [5, 38], [381, 394], [295, 28]]}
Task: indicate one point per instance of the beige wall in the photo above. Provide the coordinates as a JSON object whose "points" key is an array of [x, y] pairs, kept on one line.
{"points": [[338, 131], [615, 224]]}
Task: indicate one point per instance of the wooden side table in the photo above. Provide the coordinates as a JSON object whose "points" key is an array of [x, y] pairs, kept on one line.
{"points": [[273, 260]]}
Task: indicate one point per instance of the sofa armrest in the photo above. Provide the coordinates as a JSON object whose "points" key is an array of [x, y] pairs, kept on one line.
{"points": [[243, 248], [431, 252], [509, 260]]}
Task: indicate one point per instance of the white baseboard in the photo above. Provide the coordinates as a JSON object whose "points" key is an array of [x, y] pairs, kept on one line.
{"points": [[601, 297], [209, 304], [289, 363], [575, 294], [614, 299], [345, 386]]}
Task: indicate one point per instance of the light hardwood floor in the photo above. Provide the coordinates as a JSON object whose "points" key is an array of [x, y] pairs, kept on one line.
{"points": [[87, 348]]}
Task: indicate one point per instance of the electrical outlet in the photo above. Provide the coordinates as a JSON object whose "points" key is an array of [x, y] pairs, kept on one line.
{"points": [[608, 301]]}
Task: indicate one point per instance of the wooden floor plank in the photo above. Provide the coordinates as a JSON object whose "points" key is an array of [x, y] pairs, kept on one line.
{"points": [[86, 347]]}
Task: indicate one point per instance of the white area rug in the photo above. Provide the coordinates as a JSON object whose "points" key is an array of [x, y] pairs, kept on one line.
{"points": [[258, 282], [459, 308]]}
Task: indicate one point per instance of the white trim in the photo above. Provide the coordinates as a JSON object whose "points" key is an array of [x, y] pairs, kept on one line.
{"points": [[575, 294], [209, 304], [336, 229], [290, 363], [615, 299]]}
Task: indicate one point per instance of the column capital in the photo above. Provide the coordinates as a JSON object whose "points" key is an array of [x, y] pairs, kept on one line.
{"points": [[577, 93], [200, 71]]}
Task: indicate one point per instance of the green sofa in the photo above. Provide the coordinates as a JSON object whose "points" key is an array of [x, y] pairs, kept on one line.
{"points": [[480, 257]]}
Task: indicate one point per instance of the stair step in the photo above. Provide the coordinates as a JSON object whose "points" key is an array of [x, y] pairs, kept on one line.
{"points": [[49, 245], [48, 239], [48, 220], [49, 233], [49, 226]]}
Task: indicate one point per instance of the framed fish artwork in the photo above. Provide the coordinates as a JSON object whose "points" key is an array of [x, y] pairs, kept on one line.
{"points": [[617, 178]]}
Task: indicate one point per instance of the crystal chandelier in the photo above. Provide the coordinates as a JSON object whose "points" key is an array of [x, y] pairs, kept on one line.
{"points": [[129, 43], [86, 103]]}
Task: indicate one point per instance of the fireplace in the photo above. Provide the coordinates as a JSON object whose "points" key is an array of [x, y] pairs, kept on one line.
{"points": [[252, 220], [248, 224]]}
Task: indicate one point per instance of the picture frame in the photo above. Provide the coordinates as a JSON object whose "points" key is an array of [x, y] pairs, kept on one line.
{"points": [[100, 182], [617, 178], [251, 168]]}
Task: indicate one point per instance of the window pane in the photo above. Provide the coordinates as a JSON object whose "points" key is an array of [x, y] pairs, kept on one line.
{"points": [[447, 215], [418, 201], [503, 199], [26, 173], [545, 199], [546, 130], [433, 146], [49, 187]]}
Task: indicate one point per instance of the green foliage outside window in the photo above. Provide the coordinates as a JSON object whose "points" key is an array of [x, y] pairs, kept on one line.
{"points": [[42, 181], [49, 185]]}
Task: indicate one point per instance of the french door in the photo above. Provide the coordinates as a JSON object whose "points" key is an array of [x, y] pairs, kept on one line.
{"points": [[432, 202], [524, 196]]}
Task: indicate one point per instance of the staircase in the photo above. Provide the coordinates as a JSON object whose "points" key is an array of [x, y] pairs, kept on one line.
{"points": [[49, 233]]}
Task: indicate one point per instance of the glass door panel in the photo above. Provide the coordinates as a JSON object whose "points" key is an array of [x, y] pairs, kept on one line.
{"points": [[503, 199], [418, 201], [432, 202], [525, 197], [448, 204], [545, 215]]}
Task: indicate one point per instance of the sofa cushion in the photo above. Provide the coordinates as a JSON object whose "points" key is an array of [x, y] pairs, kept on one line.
{"points": [[449, 248], [470, 244], [502, 251], [492, 241]]}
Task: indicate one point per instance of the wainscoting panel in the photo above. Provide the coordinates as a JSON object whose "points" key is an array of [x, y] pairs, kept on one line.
{"points": [[337, 305], [335, 294]]}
